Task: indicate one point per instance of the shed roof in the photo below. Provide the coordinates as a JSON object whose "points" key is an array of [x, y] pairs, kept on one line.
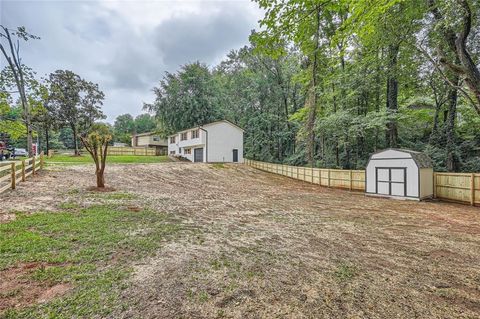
{"points": [[421, 159]]}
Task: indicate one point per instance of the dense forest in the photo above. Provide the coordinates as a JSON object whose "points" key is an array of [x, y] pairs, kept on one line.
{"points": [[322, 83], [327, 83]]}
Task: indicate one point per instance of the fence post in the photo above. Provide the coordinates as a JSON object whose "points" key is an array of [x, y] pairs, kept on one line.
{"points": [[23, 170], [350, 180], [41, 160], [33, 165], [329, 177], [311, 177], [434, 185], [472, 189], [14, 175]]}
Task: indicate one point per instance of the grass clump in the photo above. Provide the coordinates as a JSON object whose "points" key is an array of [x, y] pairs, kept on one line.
{"points": [[345, 272]]}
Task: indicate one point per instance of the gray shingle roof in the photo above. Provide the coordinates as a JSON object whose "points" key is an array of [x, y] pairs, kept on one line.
{"points": [[422, 159]]}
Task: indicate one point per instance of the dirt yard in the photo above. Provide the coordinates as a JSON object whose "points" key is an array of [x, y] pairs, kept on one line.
{"points": [[260, 245]]}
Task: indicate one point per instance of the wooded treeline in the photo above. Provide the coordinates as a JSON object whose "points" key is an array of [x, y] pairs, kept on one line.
{"points": [[327, 83]]}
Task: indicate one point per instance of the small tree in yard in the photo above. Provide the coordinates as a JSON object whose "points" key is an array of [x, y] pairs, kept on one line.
{"points": [[96, 142]]}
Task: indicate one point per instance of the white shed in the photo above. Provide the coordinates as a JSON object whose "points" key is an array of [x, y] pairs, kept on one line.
{"points": [[400, 173]]}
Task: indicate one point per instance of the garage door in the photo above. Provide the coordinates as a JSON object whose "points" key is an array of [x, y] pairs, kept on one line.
{"points": [[198, 155], [391, 181]]}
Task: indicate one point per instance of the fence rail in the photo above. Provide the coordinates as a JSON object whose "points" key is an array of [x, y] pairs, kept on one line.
{"points": [[336, 178], [458, 187], [12, 172], [139, 151]]}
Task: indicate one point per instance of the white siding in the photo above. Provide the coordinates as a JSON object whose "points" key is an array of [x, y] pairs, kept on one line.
{"points": [[223, 138], [220, 141], [173, 146]]}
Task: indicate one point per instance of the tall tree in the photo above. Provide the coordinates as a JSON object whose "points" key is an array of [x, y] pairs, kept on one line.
{"points": [[14, 60], [75, 101], [144, 123], [454, 20], [186, 98], [123, 128]]}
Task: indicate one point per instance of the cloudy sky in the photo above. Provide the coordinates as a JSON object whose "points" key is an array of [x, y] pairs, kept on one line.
{"points": [[126, 46]]}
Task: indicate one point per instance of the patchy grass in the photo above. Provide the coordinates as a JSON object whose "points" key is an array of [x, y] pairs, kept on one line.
{"points": [[218, 166], [120, 159], [345, 272], [112, 196], [86, 249]]}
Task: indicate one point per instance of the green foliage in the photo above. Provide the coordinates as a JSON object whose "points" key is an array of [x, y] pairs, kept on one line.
{"points": [[186, 98], [144, 123]]}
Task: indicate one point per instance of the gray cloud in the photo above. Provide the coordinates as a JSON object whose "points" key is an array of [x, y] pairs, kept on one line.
{"points": [[199, 37], [127, 46]]}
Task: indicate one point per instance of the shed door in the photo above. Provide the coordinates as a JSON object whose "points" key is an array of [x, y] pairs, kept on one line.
{"points": [[391, 181], [198, 155]]}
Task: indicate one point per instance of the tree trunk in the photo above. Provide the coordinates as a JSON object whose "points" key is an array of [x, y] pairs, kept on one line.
{"points": [[461, 62], [100, 179], [312, 114], [392, 96], [452, 160], [47, 139], [75, 140]]}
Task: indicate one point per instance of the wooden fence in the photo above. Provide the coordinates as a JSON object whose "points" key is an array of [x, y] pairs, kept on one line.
{"points": [[12, 172], [337, 178], [458, 187], [123, 150]]}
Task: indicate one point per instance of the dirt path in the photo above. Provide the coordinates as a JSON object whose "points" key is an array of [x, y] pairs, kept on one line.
{"points": [[267, 246]]}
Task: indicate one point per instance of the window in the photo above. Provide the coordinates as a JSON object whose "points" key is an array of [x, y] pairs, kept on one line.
{"points": [[195, 134], [172, 152], [184, 136], [172, 140], [156, 139], [187, 151]]}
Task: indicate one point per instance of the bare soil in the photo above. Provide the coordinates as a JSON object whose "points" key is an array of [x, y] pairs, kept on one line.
{"points": [[18, 290], [261, 245]]}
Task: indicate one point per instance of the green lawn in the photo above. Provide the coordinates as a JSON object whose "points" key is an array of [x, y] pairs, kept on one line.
{"points": [[121, 159], [85, 248]]}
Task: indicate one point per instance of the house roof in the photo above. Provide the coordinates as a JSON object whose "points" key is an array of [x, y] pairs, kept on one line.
{"points": [[421, 159], [146, 134], [209, 124]]}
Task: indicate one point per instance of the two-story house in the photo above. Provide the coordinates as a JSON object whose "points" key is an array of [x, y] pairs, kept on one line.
{"points": [[220, 141], [150, 139]]}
